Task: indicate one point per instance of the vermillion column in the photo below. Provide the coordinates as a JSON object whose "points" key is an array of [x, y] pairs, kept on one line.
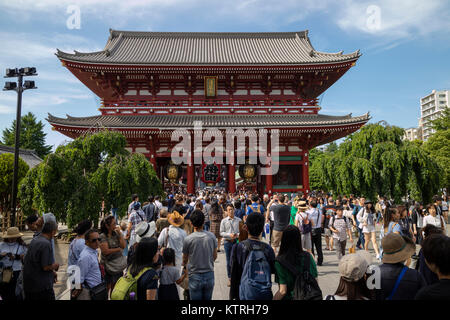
{"points": [[190, 170], [269, 185], [231, 179], [306, 173]]}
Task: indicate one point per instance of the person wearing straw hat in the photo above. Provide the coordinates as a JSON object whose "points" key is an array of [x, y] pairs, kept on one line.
{"points": [[398, 282], [173, 236], [352, 283], [143, 230], [12, 252], [303, 222]]}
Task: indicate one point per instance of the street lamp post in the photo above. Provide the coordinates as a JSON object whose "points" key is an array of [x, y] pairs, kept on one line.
{"points": [[19, 87]]}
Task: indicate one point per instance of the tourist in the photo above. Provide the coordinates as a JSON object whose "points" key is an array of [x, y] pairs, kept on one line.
{"points": [[417, 217], [162, 222], [90, 275], [134, 199], [281, 217], [356, 209], [199, 254], [398, 282], [367, 217], [143, 230], [169, 277], [112, 245], [433, 218], [206, 211], [144, 267], [34, 224], [340, 226], [353, 280], [405, 223], [158, 204], [151, 210], [216, 216], [12, 252], [39, 269], [294, 210], [255, 206], [229, 231], [254, 225], [173, 237], [421, 266], [303, 222], [291, 257], [238, 212], [79, 243], [270, 217], [137, 216], [317, 218], [445, 205], [436, 250], [329, 211], [124, 231]]}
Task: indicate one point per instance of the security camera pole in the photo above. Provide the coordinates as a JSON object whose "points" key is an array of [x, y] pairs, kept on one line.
{"points": [[19, 87]]}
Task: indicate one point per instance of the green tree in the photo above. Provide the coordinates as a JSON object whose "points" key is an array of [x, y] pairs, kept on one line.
{"points": [[438, 146], [6, 178], [375, 160], [32, 135], [73, 181], [316, 176]]}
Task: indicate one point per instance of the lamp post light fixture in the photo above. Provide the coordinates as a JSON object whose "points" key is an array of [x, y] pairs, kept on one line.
{"points": [[19, 87]]}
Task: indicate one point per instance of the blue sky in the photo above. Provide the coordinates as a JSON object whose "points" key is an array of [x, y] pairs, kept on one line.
{"points": [[405, 47]]}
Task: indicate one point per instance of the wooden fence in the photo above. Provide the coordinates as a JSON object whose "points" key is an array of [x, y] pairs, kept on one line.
{"points": [[6, 220]]}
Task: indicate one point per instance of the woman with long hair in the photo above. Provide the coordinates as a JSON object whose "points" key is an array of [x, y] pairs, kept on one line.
{"points": [[417, 221], [291, 255], [405, 223], [112, 245], [144, 264], [433, 218], [368, 222]]}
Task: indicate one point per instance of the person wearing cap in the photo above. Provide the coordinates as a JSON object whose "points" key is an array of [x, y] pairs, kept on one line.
{"points": [[12, 252], [353, 280], [39, 268], [436, 250], [137, 216], [398, 282], [173, 236]]}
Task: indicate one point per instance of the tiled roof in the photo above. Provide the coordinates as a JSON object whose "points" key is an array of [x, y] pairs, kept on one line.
{"points": [[208, 121], [208, 48], [29, 156]]}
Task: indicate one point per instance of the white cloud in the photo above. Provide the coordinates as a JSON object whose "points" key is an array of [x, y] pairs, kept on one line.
{"points": [[6, 110]]}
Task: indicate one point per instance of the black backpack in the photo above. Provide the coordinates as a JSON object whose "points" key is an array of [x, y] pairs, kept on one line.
{"points": [[305, 287]]}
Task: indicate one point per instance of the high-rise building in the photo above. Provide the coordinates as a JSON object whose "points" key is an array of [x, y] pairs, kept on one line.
{"points": [[413, 134], [431, 107]]}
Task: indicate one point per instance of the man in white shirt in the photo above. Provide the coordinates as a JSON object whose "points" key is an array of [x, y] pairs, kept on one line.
{"points": [[229, 231]]}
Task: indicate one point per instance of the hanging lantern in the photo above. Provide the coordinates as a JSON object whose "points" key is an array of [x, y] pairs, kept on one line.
{"points": [[173, 173], [247, 172], [211, 173]]}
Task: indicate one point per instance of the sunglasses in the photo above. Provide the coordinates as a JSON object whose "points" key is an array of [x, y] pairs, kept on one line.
{"points": [[96, 239]]}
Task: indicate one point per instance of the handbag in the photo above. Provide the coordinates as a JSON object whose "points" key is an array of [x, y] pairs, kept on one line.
{"points": [[99, 292], [7, 272], [116, 265]]}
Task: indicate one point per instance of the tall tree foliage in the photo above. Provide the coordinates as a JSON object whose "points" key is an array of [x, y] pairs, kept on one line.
{"points": [[73, 181], [438, 146], [32, 135], [6, 178], [375, 161]]}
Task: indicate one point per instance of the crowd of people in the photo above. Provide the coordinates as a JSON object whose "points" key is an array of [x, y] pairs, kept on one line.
{"points": [[165, 249]]}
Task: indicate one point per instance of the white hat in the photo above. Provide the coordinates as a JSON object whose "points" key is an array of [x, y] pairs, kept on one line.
{"points": [[145, 230]]}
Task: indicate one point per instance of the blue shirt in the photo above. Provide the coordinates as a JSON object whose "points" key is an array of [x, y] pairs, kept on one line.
{"points": [[89, 268], [255, 208], [239, 213], [75, 249]]}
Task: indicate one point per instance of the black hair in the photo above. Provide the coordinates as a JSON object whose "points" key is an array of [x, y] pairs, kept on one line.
{"points": [[82, 227], [255, 224], [229, 205], [281, 198], [168, 256], [291, 245], [197, 218], [106, 222], [430, 229], [134, 196], [31, 219], [340, 208], [255, 197], [151, 198], [88, 233], [49, 227], [436, 250], [313, 204], [237, 204], [143, 255], [157, 198]]}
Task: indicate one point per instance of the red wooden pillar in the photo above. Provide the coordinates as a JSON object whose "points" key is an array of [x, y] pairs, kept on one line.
{"points": [[306, 173], [231, 178], [191, 171], [269, 183]]}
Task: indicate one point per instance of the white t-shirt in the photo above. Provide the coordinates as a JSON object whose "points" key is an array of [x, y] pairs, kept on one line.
{"points": [[435, 221], [299, 217], [13, 248]]}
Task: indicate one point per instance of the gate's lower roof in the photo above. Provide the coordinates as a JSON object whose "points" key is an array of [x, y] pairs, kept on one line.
{"points": [[167, 122]]}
